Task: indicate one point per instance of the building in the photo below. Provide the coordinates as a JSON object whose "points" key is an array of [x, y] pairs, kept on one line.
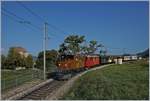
{"points": [[139, 57], [133, 57], [130, 57], [126, 58], [21, 51]]}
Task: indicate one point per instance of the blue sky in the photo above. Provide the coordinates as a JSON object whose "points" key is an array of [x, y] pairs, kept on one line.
{"points": [[117, 25]]}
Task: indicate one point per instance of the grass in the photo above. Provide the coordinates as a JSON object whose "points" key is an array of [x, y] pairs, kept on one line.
{"points": [[13, 78], [13, 73], [117, 82]]}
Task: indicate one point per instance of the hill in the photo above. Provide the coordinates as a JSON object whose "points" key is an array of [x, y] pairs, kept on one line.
{"points": [[144, 53], [118, 82]]}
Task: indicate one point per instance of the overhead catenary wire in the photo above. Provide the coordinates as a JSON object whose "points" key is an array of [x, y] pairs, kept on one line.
{"points": [[20, 20], [40, 17], [17, 21], [12, 18], [34, 14], [13, 14], [29, 10]]}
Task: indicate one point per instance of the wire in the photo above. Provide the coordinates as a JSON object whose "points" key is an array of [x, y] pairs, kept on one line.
{"points": [[54, 27], [15, 18], [22, 20], [12, 14], [41, 18], [9, 17], [29, 10]]}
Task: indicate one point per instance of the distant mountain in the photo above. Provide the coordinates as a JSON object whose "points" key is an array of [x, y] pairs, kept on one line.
{"points": [[144, 53], [126, 54]]}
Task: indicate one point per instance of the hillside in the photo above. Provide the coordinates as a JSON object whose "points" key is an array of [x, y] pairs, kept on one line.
{"points": [[144, 53], [117, 82]]}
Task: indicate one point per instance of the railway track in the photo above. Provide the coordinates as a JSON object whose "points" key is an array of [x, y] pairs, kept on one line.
{"points": [[44, 91]]}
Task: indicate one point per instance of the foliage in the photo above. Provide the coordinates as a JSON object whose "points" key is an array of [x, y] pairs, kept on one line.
{"points": [[14, 59], [29, 61], [3, 60], [118, 82], [91, 48], [63, 49], [71, 45], [51, 57]]}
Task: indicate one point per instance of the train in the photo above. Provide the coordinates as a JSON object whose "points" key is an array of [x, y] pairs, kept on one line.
{"points": [[75, 63], [70, 65]]}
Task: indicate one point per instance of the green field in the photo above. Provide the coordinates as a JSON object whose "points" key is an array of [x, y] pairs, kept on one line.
{"points": [[128, 81], [13, 78], [7, 74]]}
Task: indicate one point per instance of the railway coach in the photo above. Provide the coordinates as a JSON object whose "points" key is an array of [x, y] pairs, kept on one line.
{"points": [[77, 63], [70, 63], [91, 60]]}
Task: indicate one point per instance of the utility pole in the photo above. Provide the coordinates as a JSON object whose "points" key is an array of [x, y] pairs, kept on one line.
{"points": [[44, 49]]}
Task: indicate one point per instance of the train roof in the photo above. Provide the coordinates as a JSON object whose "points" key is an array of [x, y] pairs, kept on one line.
{"points": [[92, 55]]}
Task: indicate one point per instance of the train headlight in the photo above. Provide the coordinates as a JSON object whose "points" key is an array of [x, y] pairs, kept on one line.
{"points": [[66, 65]]}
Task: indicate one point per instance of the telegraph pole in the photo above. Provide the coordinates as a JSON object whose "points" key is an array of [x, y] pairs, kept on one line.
{"points": [[44, 49]]}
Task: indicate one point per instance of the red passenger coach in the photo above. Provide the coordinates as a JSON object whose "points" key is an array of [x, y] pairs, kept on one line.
{"points": [[97, 61], [91, 61]]}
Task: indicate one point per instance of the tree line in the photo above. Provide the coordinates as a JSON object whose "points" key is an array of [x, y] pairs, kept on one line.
{"points": [[75, 44], [14, 59], [72, 45]]}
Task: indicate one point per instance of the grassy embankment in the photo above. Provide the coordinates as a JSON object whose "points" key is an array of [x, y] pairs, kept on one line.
{"points": [[126, 81], [12, 78]]}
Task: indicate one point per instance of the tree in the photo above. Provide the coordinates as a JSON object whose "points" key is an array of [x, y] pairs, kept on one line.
{"points": [[3, 60], [14, 59], [63, 49], [51, 57], [72, 44], [91, 47], [85, 50], [29, 61]]}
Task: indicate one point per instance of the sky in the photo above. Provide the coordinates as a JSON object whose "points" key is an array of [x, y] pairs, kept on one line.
{"points": [[121, 26]]}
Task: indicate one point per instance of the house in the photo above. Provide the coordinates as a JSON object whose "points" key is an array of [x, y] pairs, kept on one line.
{"points": [[126, 58], [21, 51], [133, 57]]}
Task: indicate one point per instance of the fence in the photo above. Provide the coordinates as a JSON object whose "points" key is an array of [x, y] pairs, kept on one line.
{"points": [[20, 79]]}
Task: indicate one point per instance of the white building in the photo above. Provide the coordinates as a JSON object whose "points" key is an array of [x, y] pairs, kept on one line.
{"points": [[126, 58], [21, 51], [133, 57]]}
